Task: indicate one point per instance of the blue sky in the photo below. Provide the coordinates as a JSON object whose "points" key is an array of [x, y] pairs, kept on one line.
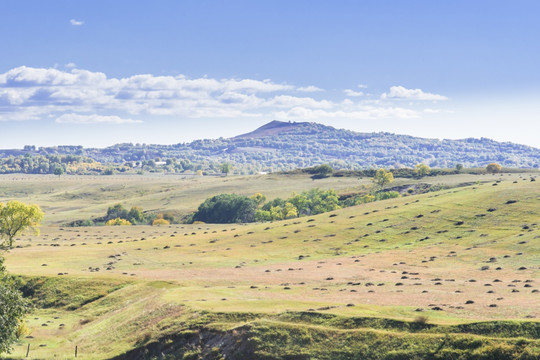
{"points": [[102, 72]]}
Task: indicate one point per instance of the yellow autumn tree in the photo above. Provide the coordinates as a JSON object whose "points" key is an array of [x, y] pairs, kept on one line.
{"points": [[383, 177], [493, 168]]}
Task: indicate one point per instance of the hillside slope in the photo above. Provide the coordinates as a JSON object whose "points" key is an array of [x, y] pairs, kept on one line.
{"points": [[468, 259], [284, 146]]}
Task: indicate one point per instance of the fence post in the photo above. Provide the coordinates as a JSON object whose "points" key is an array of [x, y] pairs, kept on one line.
{"points": [[27, 349], [75, 350]]}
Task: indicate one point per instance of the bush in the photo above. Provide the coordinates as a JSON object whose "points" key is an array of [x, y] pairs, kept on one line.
{"points": [[321, 171], [117, 222], [160, 222], [386, 195]]}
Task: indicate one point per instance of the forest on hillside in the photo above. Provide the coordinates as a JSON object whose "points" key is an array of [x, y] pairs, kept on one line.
{"points": [[301, 145]]}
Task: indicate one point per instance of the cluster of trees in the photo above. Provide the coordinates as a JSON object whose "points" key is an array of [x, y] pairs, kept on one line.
{"points": [[48, 164], [312, 202], [232, 208], [15, 217], [59, 164], [378, 175], [225, 209], [118, 215]]}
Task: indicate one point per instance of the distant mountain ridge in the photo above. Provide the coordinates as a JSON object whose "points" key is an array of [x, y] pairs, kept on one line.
{"points": [[287, 145]]}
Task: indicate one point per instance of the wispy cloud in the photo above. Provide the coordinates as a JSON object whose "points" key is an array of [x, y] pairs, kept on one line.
{"points": [[360, 113], [81, 96], [353, 93], [76, 22], [93, 119], [400, 92]]}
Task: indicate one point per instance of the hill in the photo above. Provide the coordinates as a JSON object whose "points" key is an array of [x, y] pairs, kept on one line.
{"points": [[450, 274], [278, 146], [273, 128]]}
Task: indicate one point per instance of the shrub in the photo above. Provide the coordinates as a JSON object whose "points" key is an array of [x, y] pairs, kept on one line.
{"points": [[160, 222], [117, 222], [493, 168], [321, 171]]}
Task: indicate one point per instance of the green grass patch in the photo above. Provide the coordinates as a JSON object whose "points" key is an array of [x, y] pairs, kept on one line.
{"points": [[66, 292]]}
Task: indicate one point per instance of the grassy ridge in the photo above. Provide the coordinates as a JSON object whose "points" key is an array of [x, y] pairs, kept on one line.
{"points": [[133, 321]]}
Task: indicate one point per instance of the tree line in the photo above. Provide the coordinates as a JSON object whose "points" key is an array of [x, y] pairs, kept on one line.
{"points": [[233, 208], [304, 145]]}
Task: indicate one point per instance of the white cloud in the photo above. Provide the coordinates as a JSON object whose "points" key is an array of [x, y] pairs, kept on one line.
{"points": [[309, 88], [288, 101], [362, 113], [93, 119], [76, 22], [71, 94], [400, 92], [350, 92], [362, 86]]}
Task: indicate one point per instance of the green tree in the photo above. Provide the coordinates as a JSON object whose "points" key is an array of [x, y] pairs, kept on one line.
{"points": [[277, 202], [493, 168], [421, 170], [225, 168], [459, 167], [58, 171], [290, 211], [263, 215], [15, 218], [136, 215], [13, 307], [276, 213], [382, 178], [116, 211]]}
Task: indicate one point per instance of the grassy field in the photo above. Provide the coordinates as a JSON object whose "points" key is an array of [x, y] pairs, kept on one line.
{"points": [[72, 197], [69, 198], [448, 274]]}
